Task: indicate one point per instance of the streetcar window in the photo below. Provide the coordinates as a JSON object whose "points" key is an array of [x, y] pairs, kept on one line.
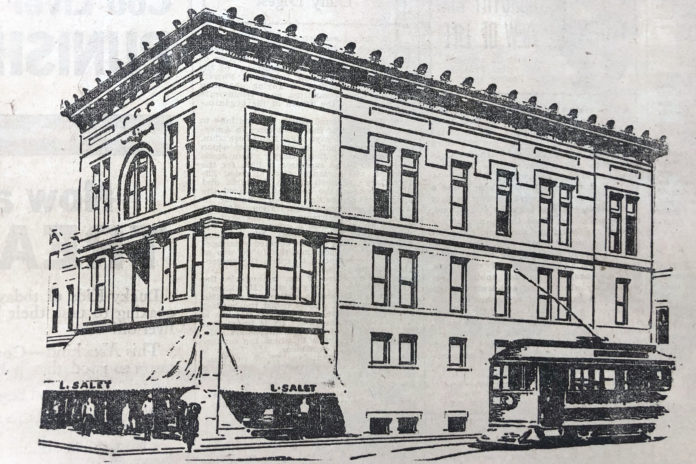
{"points": [[501, 378], [609, 379]]}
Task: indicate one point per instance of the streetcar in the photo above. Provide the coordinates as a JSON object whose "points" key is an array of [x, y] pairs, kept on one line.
{"points": [[575, 390]]}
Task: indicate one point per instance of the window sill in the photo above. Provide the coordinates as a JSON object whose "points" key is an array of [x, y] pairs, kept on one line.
{"points": [[391, 366], [459, 369]]}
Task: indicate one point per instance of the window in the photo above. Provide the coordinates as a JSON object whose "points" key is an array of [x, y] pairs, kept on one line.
{"points": [[631, 225], [190, 122], [456, 423], [458, 195], [54, 310], [380, 425], [544, 278], [380, 348], [99, 269], [565, 215], [197, 274], [52, 260], [622, 301], [166, 271], [500, 377], [408, 278], [615, 211], [381, 259], [565, 279], [407, 424], [232, 266], [139, 195], [259, 267], [96, 203], [286, 251], [261, 155], [609, 378], [307, 270], [409, 185], [546, 211], [407, 349], [71, 306], [503, 203], [100, 194], [172, 162], [383, 180], [292, 169], [457, 352], [502, 290], [458, 284], [180, 253]]}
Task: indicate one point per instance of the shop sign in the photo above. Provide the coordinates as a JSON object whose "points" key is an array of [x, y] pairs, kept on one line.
{"points": [[86, 385], [293, 388]]}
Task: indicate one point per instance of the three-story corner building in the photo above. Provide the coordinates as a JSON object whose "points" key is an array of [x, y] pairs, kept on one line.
{"points": [[278, 229]]}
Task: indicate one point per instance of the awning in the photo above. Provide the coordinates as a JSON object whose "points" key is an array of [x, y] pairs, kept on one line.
{"points": [[137, 359], [272, 362]]}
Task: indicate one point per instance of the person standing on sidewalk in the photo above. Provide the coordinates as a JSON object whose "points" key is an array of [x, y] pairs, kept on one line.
{"points": [[148, 417], [125, 418], [88, 417], [190, 426]]}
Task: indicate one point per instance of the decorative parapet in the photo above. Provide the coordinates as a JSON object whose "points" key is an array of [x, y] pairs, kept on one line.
{"points": [[256, 42]]}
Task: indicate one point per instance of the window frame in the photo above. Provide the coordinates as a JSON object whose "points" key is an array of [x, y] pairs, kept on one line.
{"points": [[293, 268], [565, 238], [621, 306], [462, 288], [568, 299], [100, 286], [312, 274], [386, 253], [503, 219], [617, 215], [176, 267], [190, 125], [460, 343], [546, 203], [408, 339], [267, 266], [413, 282], [631, 231], [413, 173], [299, 151], [505, 269], [239, 263], [267, 144], [385, 339], [463, 183], [70, 289], [142, 160], [172, 162], [544, 298], [387, 168], [55, 302]]}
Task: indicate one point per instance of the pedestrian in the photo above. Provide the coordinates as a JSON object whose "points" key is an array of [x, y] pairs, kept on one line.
{"points": [[104, 417], [190, 425], [180, 416], [125, 418], [148, 417], [88, 417]]}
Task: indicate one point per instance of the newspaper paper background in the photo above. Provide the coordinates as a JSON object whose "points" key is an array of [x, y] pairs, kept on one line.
{"points": [[633, 61]]}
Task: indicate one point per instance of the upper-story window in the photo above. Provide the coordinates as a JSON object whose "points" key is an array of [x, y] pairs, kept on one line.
{"points": [[232, 265], [458, 195], [54, 310], [565, 215], [409, 185], [71, 306], [190, 122], [176, 165], [100, 280], [458, 284], [621, 305], [101, 174], [383, 180], [565, 285], [267, 136], [503, 203], [259, 266], [182, 266], [622, 223], [546, 211], [293, 162], [502, 290], [381, 264], [139, 194], [544, 283], [408, 279]]}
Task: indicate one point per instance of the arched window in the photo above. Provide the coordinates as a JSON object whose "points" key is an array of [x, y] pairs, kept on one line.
{"points": [[139, 193]]}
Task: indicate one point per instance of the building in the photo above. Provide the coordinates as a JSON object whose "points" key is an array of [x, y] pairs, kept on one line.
{"points": [[271, 225]]}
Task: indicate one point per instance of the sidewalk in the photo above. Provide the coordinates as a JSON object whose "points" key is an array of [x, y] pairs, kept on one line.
{"points": [[130, 445]]}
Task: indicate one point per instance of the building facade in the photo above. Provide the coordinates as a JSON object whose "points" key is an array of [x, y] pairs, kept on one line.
{"points": [[273, 225]]}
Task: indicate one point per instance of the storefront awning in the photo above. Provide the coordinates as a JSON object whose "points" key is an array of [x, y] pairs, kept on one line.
{"points": [[138, 359], [271, 362]]}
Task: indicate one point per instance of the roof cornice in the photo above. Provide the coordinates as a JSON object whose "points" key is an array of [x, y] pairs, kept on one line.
{"points": [[256, 43]]}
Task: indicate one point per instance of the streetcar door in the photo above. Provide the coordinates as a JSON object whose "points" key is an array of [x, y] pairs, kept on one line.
{"points": [[553, 383]]}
